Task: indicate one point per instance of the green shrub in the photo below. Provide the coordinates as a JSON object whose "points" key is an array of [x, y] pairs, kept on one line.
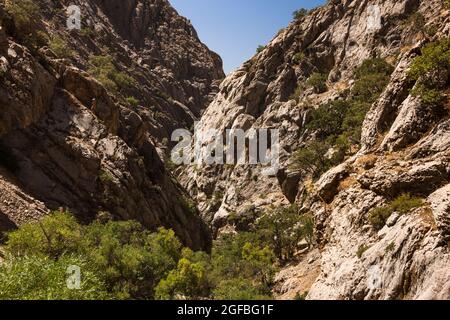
{"points": [[188, 281], [25, 13], [43, 278], [318, 81], [327, 119], [104, 70], [60, 47], [417, 21], [431, 71], [132, 101], [379, 216], [405, 203], [299, 57], [373, 66], [361, 250], [402, 205], [390, 247], [189, 205], [105, 176], [127, 259], [238, 289], [260, 49], [447, 4], [243, 256], [87, 32], [282, 230], [300, 14], [312, 158], [301, 296], [297, 93]]}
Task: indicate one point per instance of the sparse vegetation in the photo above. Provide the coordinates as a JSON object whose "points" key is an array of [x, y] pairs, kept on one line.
{"points": [[318, 81], [132, 101], [26, 16], [431, 71], [297, 93], [300, 14], [283, 229], [312, 158], [104, 70], [402, 205], [60, 47], [361, 250], [338, 123], [25, 13], [301, 296], [417, 21], [390, 247], [260, 49], [298, 57], [105, 176]]}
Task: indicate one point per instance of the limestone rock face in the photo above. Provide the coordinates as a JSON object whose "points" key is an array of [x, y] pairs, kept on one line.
{"points": [[404, 149], [76, 143]]}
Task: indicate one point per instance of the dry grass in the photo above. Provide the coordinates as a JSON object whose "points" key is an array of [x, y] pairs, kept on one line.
{"points": [[347, 183], [426, 214], [368, 161]]}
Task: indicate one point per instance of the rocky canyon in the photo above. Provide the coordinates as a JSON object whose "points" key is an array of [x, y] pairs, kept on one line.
{"points": [[358, 90]]}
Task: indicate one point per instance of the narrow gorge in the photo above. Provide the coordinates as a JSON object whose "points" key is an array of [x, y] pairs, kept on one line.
{"points": [[358, 208]]}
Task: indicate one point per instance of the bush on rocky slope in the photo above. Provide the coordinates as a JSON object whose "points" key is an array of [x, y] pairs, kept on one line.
{"points": [[103, 69], [431, 70], [283, 229], [300, 14], [402, 205], [318, 81], [60, 47], [26, 17], [337, 124]]}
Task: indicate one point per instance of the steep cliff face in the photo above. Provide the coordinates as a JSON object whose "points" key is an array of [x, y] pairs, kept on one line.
{"points": [[93, 142], [403, 149]]}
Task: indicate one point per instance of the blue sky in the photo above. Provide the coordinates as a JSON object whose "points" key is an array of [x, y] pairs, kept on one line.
{"points": [[235, 28]]}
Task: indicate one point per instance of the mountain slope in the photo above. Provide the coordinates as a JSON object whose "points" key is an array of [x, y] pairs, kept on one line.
{"points": [[403, 149], [86, 114]]}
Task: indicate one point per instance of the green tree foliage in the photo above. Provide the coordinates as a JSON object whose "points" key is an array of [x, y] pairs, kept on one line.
{"points": [[318, 81], [431, 70], [283, 229], [60, 47], [402, 205], [104, 70], [132, 101], [122, 260], [188, 281], [129, 260], [42, 278], [338, 123], [260, 49], [26, 15], [238, 289], [300, 14]]}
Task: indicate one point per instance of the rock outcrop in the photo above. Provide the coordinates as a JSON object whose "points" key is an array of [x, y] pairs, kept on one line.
{"points": [[70, 142], [404, 149]]}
